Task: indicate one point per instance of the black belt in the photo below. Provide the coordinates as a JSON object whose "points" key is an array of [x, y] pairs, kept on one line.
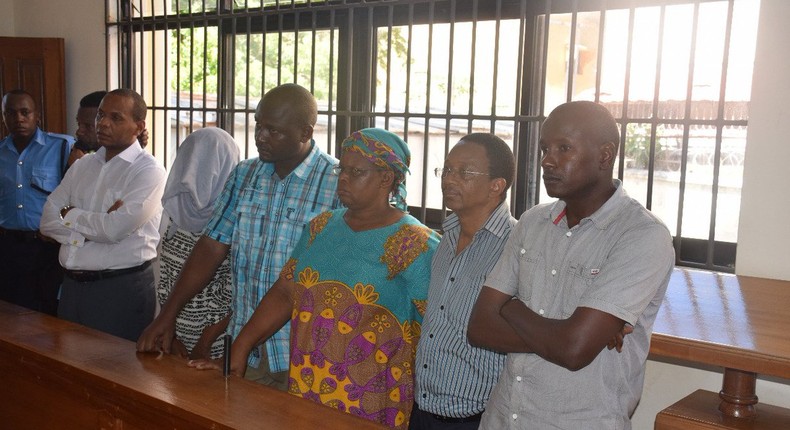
{"points": [[96, 275], [21, 235], [451, 420]]}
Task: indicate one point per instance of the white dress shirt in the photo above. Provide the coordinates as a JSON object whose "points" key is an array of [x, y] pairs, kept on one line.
{"points": [[91, 238]]}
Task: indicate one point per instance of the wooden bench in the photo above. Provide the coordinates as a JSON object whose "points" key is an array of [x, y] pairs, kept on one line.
{"points": [[55, 374], [738, 323]]}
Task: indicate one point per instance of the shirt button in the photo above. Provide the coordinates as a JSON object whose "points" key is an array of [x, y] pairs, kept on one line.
{"points": [[424, 366], [67, 224], [19, 185], [19, 206], [523, 251], [20, 163], [568, 234], [541, 312], [514, 416], [424, 395], [553, 272], [430, 336], [518, 378], [452, 279], [441, 307], [74, 242]]}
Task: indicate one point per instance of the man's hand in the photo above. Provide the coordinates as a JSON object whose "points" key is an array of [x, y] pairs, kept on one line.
{"points": [[617, 340], [210, 333], [237, 367], [115, 206], [143, 138], [178, 348], [158, 336]]}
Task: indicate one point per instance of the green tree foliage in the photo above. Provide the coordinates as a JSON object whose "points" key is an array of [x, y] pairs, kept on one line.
{"points": [[193, 60]]}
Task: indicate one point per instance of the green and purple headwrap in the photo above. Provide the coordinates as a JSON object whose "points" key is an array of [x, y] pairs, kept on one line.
{"points": [[387, 151]]}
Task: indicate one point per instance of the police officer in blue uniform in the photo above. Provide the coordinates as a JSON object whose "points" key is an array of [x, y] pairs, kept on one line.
{"points": [[32, 164]]}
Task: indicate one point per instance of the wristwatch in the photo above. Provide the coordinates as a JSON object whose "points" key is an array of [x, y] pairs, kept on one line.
{"points": [[64, 209]]}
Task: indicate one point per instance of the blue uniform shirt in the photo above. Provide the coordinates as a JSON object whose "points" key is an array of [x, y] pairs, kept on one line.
{"points": [[26, 179]]}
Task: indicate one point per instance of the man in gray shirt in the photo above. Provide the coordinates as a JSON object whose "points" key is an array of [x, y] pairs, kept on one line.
{"points": [[572, 273]]}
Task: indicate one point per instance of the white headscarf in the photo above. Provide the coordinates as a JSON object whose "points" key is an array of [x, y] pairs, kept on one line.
{"points": [[197, 177]]}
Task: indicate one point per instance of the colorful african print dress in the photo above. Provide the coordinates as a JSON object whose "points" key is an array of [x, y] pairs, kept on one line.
{"points": [[356, 324]]}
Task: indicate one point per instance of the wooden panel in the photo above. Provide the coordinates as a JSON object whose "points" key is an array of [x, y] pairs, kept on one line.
{"points": [[37, 65], [699, 411], [55, 373]]}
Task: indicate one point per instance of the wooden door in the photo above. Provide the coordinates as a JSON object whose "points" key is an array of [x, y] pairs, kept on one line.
{"points": [[36, 65]]}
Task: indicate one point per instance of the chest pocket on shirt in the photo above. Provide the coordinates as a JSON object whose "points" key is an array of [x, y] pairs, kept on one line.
{"points": [[255, 213], [531, 267], [579, 279], [44, 179]]}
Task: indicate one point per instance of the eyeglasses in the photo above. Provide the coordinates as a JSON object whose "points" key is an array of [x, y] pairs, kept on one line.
{"points": [[464, 175], [352, 171]]}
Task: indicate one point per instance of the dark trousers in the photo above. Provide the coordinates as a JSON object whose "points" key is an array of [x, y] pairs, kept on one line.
{"points": [[421, 420], [122, 306], [30, 274]]}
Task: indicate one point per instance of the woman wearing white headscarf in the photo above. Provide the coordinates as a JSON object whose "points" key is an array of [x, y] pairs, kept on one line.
{"points": [[204, 161]]}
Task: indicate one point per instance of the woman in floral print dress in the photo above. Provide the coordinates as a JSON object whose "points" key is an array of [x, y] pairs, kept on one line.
{"points": [[354, 291]]}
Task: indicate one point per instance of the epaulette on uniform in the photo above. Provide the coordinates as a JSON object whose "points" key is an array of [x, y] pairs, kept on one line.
{"points": [[65, 137]]}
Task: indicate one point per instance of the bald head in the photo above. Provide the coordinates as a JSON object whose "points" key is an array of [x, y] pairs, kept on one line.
{"points": [[591, 120], [297, 100]]}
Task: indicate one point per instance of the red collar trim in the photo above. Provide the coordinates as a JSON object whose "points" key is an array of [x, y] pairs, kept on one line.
{"points": [[559, 217]]}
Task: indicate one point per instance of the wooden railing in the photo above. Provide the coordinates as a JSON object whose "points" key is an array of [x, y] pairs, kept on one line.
{"points": [[738, 323], [55, 374]]}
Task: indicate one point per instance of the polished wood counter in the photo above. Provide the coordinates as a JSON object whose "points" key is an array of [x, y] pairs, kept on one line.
{"points": [[55, 374], [739, 323]]}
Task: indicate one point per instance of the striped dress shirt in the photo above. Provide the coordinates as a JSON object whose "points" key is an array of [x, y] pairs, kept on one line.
{"points": [[454, 379]]}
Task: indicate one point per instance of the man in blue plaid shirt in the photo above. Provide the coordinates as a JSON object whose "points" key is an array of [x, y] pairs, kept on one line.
{"points": [[258, 218]]}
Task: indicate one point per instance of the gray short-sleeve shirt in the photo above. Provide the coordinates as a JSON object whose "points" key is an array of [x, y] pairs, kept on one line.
{"points": [[618, 261]]}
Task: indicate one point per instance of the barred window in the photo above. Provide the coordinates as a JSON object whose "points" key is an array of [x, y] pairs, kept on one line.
{"points": [[676, 74]]}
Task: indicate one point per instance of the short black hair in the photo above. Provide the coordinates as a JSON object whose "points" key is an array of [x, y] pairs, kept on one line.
{"points": [[501, 162], [139, 107], [20, 92], [93, 99]]}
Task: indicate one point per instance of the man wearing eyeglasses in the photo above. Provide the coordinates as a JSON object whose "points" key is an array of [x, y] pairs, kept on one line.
{"points": [[453, 378], [258, 219]]}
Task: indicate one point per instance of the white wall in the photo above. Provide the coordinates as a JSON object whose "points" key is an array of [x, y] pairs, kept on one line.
{"points": [[764, 240], [81, 24], [7, 28], [763, 234]]}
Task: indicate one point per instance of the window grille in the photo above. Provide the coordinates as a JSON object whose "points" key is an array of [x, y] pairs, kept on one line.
{"points": [[676, 74]]}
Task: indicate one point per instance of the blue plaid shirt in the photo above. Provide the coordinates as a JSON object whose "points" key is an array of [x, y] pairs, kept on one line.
{"points": [[262, 217]]}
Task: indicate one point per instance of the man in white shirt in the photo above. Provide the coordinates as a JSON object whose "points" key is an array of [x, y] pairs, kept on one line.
{"points": [[105, 214]]}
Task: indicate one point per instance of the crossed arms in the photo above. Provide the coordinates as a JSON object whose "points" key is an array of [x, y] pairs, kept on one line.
{"points": [[505, 324]]}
